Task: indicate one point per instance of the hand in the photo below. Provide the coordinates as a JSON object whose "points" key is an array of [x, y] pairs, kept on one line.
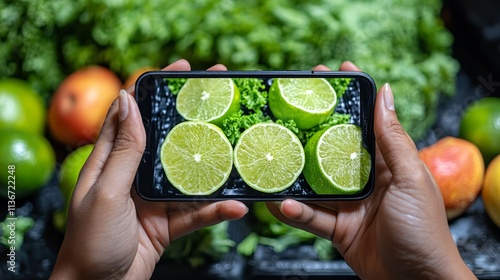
{"points": [[111, 233], [400, 231]]}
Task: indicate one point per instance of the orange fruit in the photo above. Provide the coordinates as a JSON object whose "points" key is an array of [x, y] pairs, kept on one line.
{"points": [[21, 108], [458, 167], [491, 190], [32, 159], [480, 125]]}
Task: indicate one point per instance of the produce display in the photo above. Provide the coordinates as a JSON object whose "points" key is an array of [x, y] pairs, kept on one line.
{"points": [[396, 41], [45, 98]]}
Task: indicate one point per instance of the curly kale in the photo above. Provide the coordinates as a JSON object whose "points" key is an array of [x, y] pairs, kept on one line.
{"points": [[340, 85], [253, 95], [175, 84], [234, 125]]}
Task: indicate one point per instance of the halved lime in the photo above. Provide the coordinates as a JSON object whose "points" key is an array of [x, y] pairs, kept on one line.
{"points": [[307, 101], [197, 157], [336, 161], [269, 157], [208, 99]]}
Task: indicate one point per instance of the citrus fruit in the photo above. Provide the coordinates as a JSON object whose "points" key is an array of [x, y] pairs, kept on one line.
{"points": [[458, 168], [262, 214], [21, 108], [68, 176], [269, 157], [208, 100], [336, 161], [32, 158], [491, 190], [480, 125], [307, 101], [70, 169], [197, 157]]}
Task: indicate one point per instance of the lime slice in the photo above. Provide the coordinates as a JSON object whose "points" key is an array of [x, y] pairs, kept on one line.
{"points": [[307, 101], [208, 99], [336, 161], [269, 157], [197, 157]]}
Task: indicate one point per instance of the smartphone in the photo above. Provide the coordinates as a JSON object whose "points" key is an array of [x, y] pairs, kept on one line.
{"points": [[158, 95]]}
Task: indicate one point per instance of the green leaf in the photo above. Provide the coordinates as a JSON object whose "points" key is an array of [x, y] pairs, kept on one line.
{"points": [[13, 230]]}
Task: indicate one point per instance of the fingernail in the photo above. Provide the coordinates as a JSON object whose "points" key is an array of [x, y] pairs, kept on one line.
{"points": [[123, 103], [388, 97]]}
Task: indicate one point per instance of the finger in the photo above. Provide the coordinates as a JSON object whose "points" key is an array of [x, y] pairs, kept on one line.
{"points": [[396, 147], [179, 65], [309, 217], [97, 158], [321, 67], [217, 67], [126, 151], [348, 66], [186, 220]]}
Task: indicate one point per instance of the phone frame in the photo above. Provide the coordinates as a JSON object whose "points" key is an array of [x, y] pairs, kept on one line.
{"points": [[145, 92]]}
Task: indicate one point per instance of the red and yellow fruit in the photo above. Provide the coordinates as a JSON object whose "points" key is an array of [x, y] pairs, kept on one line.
{"points": [[458, 167], [80, 104], [491, 191]]}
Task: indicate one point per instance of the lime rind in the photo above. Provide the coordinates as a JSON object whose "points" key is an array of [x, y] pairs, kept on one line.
{"points": [[299, 99], [208, 100], [196, 157], [336, 161], [269, 157]]}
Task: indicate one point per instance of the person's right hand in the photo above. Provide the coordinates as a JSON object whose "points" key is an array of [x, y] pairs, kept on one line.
{"points": [[400, 231]]}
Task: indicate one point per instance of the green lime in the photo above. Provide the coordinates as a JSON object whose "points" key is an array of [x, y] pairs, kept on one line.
{"points": [[68, 176], [21, 108], [307, 101], [30, 160], [70, 169], [269, 157], [197, 157], [208, 100], [336, 161], [481, 125], [262, 214]]}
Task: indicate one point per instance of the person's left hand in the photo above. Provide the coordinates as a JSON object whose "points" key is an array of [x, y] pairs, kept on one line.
{"points": [[112, 233]]}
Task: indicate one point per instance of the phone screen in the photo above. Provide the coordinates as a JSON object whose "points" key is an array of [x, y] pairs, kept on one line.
{"points": [[256, 135]]}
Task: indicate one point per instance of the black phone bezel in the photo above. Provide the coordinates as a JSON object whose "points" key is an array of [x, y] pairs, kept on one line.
{"points": [[145, 90]]}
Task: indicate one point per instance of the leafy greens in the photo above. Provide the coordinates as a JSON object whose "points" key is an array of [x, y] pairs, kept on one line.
{"points": [[401, 42]]}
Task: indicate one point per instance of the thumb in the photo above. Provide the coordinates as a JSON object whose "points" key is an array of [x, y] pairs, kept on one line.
{"points": [[127, 149], [397, 148]]}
